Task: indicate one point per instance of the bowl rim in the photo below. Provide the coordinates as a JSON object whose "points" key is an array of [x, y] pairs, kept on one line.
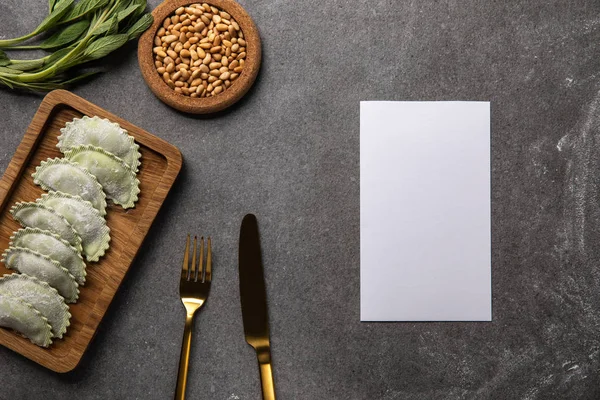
{"points": [[201, 105]]}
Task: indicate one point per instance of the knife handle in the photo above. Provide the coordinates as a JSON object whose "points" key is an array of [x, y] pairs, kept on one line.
{"points": [[266, 374]]}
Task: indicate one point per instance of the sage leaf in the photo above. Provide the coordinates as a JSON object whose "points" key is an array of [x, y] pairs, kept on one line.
{"points": [[66, 36], [127, 12], [60, 9], [83, 8], [82, 31], [58, 54], [7, 82], [140, 10], [27, 65], [10, 70], [140, 26], [81, 77], [104, 45], [4, 60], [109, 27]]}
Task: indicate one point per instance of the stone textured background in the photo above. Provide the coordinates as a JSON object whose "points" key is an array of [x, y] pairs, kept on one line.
{"points": [[289, 152]]}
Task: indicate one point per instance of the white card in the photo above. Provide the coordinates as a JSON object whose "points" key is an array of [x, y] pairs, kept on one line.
{"points": [[425, 211]]}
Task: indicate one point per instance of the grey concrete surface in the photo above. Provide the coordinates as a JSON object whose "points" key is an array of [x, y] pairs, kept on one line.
{"points": [[289, 152]]}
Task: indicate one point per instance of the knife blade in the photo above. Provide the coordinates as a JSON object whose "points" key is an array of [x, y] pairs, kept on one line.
{"points": [[253, 296]]}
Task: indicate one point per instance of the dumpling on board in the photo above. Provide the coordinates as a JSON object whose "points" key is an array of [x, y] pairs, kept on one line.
{"points": [[17, 314], [35, 215], [32, 263], [62, 175], [53, 246], [84, 218], [118, 181], [42, 297], [100, 132]]}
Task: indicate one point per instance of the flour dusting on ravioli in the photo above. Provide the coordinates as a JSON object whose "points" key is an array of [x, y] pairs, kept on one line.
{"points": [[17, 314], [118, 181], [37, 215], [51, 245], [42, 297], [84, 218], [62, 175], [100, 132]]}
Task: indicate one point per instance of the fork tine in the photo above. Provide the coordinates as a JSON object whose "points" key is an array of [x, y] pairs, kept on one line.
{"points": [[195, 265], [208, 262], [186, 258], [191, 276], [201, 261]]}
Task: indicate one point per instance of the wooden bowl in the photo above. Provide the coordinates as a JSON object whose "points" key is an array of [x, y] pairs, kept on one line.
{"points": [[201, 105]]}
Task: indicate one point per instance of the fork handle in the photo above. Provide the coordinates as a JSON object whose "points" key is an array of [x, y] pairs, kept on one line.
{"points": [[184, 359], [266, 374]]}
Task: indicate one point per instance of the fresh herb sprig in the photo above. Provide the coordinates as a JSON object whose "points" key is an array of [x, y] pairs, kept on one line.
{"points": [[82, 32]]}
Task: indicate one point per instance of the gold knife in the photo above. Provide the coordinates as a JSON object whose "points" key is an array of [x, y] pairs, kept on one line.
{"points": [[254, 301]]}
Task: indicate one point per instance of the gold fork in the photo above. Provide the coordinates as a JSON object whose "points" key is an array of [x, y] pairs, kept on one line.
{"points": [[193, 288]]}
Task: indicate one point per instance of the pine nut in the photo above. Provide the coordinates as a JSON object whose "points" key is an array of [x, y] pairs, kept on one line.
{"points": [[199, 50]]}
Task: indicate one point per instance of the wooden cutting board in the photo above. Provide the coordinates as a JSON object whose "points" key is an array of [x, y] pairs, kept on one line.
{"points": [[161, 163]]}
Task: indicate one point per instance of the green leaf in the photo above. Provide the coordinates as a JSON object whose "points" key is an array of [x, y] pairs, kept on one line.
{"points": [[27, 65], [81, 77], [140, 10], [140, 26], [51, 4], [121, 15], [103, 46], [60, 9], [66, 36], [4, 60], [7, 83], [109, 27], [83, 8], [10, 70], [58, 55]]}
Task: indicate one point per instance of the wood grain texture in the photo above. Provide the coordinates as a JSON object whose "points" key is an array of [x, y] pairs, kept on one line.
{"points": [[161, 163], [205, 105]]}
